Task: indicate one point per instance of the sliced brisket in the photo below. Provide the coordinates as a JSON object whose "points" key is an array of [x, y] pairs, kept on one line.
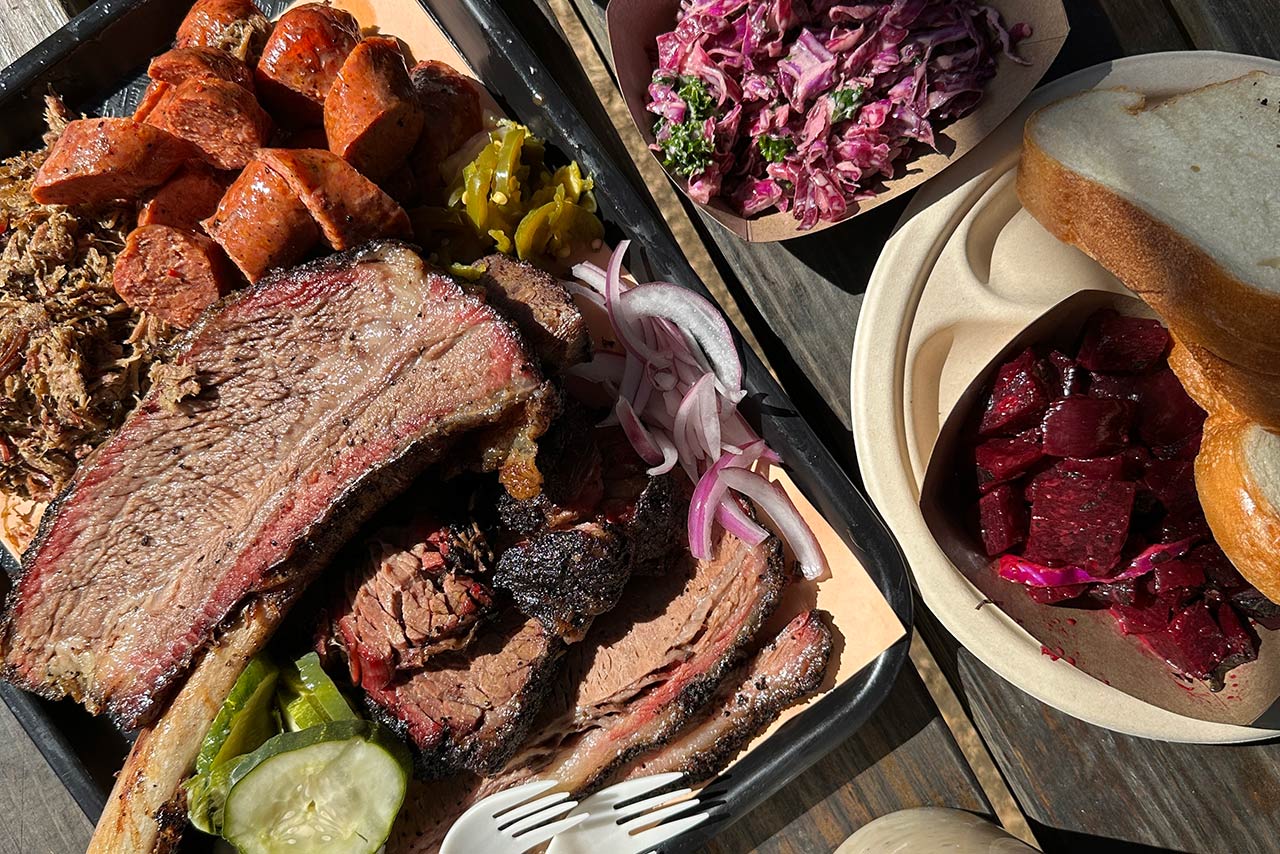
{"points": [[780, 675], [540, 306], [567, 578], [471, 709], [592, 527], [648, 666], [409, 599], [325, 390]]}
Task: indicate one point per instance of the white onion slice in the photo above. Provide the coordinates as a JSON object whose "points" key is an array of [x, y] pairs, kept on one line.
{"points": [[776, 504]]}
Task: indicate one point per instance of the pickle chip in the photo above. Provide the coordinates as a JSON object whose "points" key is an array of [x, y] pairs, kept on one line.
{"points": [[331, 789]]}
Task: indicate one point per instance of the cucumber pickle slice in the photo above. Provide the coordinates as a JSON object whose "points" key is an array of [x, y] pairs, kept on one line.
{"points": [[331, 789]]}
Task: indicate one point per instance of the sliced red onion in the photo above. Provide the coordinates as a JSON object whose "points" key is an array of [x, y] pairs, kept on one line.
{"points": [[683, 431], [776, 504], [708, 495], [696, 317], [623, 320], [588, 294], [590, 274], [663, 380], [644, 443], [735, 520], [670, 454], [632, 376], [1023, 571], [708, 423]]}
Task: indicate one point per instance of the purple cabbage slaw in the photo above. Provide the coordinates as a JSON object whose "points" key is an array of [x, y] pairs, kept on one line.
{"points": [[835, 93], [1023, 571]]}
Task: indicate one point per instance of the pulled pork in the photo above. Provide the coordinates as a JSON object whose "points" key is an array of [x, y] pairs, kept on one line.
{"points": [[74, 359]]}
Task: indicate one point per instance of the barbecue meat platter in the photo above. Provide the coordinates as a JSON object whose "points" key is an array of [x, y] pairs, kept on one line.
{"points": [[391, 460]]}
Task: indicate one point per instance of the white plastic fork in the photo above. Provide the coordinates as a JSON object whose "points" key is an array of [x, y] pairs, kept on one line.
{"points": [[618, 827], [511, 822]]}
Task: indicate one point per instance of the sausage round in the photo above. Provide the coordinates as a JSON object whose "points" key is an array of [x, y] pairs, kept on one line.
{"points": [[96, 160], [371, 117], [224, 120], [348, 207], [301, 60], [156, 93], [190, 196], [184, 63], [451, 103], [261, 224], [236, 26], [172, 273]]}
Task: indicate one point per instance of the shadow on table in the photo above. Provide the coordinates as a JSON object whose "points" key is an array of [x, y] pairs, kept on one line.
{"points": [[1056, 841]]}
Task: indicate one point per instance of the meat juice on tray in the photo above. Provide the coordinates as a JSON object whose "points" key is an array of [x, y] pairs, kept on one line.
{"points": [[1086, 496]]}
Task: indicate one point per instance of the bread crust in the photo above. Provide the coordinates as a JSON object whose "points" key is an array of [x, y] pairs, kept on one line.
{"points": [[1224, 384], [1243, 521], [1211, 308]]}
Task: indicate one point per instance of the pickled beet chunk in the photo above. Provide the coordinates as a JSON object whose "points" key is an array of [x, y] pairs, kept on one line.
{"points": [[1054, 595], [1115, 467], [1118, 593], [1140, 621], [1193, 643], [1080, 426], [1172, 481], [1018, 397], [1080, 522], [1116, 387], [1178, 573], [1003, 516], [1114, 342], [1001, 460], [1067, 375], [1166, 413]]}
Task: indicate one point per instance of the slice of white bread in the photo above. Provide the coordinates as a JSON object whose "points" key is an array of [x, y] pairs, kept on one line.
{"points": [[1254, 394], [1238, 478], [1180, 200]]}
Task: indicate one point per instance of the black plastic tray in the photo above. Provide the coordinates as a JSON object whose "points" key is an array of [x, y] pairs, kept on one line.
{"points": [[97, 62]]}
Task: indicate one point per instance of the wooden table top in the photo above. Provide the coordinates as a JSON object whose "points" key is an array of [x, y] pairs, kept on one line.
{"points": [[1081, 788]]}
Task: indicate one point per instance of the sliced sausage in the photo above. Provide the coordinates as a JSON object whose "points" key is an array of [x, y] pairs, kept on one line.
{"points": [[451, 103], [96, 160], [301, 60], [236, 26], [371, 117], [348, 207], [185, 63], [190, 196], [261, 224], [156, 93], [224, 120], [172, 273]]}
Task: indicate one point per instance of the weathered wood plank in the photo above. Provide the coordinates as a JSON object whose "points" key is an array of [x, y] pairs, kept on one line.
{"points": [[903, 757], [25, 23], [1239, 26], [39, 817]]}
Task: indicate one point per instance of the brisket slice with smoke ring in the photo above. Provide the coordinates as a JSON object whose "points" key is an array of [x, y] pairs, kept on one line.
{"points": [[471, 709], [790, 668], [325, 390], [648, 666], [642, 672]]}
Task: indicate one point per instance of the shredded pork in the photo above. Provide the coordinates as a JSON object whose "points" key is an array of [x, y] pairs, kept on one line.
{"points": [[74, 359]]}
